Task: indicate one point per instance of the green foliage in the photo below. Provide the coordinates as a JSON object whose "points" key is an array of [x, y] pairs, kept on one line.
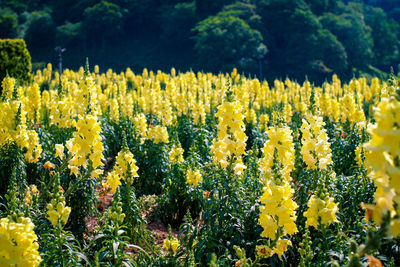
{"points": [[103, 20], [351, 30], [12, 166], [177, 21], [110, 239], [320, 6], [8, 24], [210, 7], [230, 215], [360, 36], [223, 42], [68, 34], [332, 52], [246, 11], [41, 31], [178, 197], [384, 36], [15, 60]]}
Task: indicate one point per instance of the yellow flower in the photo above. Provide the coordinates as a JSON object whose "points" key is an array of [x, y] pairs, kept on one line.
{"points": [[125, 166], [193, 177], [59, 151], [176, 154], [74, 170], [264, 251], [113, 181], [316, 149], [381, 156], [281, 247], [158, 134], [231, 139], [58, 212], [86, 145], [321, 211], [30, 192], [18, 243], [171, 244], [141, 124], [239, 168]]}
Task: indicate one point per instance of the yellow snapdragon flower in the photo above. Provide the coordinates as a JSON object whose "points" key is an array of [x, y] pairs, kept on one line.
{"points": [[18, 243], [321, 211], [86, 145], [316, 149], [171, 244], [382, 158], [176, 154], [193, 177], [158, 134], [57, 212], [231, 140]]}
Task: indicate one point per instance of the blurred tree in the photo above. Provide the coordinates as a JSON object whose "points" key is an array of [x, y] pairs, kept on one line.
{"points": [[225, 42], [102, 21], [143, 12], [310, 50], [75, 10], [40, 32], [320, 6], [384, 34], [8, 23], [18, 6], [177, 21], [395, 14], [69, 34], [331, 53], [205, 8], [244, 10], [351, 30]]}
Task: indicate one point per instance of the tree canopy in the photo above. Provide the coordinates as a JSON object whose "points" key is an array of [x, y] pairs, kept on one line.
{"points": [[304, 37]]}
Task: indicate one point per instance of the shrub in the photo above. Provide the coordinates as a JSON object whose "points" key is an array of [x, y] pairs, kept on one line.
{"points": [[15, 60]]}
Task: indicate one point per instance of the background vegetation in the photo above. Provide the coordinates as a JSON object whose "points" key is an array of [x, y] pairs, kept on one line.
{"points": [[268, 38]]}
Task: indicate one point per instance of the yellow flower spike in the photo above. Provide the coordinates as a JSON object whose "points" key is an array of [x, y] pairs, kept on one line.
{"points": [[19, 243], [53, 217], [86, 144], [315, 149], [158, 134], [231, 140], [176, 154], [278, 210], [65, 214], [239, 167], [125, 164], [171, 244], [381, 154], [321, 211], [281, 247], [193, 177], [113, 181]]}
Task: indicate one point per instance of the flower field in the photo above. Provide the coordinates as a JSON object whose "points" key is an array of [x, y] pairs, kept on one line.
{"points": [[242, 172]]}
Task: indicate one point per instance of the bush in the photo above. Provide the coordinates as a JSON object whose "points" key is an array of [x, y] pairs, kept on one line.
{"points": [[15, 60]]}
